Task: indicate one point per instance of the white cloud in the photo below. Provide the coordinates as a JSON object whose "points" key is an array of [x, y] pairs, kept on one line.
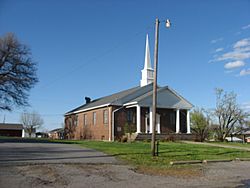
{"points": [[216, 40], [246, 26], [246, 106], [234, 64], [242, 43], [219, 49], [234, 58], [241, 51], [234, 55], [244, 72]]}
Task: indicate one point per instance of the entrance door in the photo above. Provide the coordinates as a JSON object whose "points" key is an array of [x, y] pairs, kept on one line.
{"points": [[158, 123]]}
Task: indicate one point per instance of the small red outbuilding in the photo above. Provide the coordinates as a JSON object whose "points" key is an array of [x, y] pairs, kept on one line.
{"points": [[10, 129]]}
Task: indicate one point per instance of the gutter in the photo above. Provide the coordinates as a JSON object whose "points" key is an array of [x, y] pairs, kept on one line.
{"points": [[113, 124]]}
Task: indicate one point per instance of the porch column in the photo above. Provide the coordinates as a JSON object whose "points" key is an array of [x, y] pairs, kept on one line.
{"points": [[23, 133], [158, 117], [138, 119], [177, 121], [188, 122], [150, 120]]}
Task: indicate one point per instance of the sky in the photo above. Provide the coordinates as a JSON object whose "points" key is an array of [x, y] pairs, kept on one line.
{"points": [[95, 48]]}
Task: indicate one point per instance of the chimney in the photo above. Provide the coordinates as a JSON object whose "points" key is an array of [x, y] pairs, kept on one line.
{"points": [[87, 100]]}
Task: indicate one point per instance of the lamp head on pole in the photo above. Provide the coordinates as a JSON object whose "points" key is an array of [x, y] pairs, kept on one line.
{"points": [[168, 24]]}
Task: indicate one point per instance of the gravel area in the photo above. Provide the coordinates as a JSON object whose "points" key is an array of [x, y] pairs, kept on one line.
{"points": [[230, 174]]}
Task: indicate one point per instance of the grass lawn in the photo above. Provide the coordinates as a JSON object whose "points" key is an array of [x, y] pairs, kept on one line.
{"points": [[139, 153]]}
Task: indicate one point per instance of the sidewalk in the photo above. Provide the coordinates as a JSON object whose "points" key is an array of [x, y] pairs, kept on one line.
{"points": [[218, 145]]}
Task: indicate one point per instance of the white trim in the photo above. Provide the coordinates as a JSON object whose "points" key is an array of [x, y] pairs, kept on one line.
{"points": [[130, 103], [87, 109], [131, 106]]}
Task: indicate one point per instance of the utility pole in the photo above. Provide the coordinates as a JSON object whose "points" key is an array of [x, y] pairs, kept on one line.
{"points": [[155, 86], [154, 104]]}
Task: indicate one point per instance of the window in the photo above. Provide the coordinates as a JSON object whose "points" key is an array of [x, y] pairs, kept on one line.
{"points": [[105, 116], [85, 119], [94, 118], [76, 120], [129, 116], [172, 118]]}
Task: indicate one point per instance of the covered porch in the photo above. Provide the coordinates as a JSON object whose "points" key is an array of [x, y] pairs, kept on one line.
{"points": [[167, 120]]}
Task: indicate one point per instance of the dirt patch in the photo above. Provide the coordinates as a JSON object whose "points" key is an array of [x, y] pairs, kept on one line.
{"points": [[39, 175], [191, 171]]}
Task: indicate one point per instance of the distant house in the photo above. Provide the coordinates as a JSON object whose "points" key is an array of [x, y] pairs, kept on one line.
{"points": [[11, 129], [110, 117], [247, 139], [27, 134], [42, 135], [57, 134]]}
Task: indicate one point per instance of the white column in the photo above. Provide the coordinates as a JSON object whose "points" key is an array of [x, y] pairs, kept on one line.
{"points": [[150, 120], [158, 117], [138, 119], [23, 133], [177, 121], [188, 122]]}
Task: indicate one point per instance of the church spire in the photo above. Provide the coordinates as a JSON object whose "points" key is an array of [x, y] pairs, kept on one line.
{"points": [[147, 62], [147, 72]]}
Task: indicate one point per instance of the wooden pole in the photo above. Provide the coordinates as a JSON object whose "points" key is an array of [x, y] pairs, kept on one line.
{"points": [[155, 87]]}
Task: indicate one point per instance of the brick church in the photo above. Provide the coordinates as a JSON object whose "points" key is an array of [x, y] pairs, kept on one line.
{"points": [[110, 117]]}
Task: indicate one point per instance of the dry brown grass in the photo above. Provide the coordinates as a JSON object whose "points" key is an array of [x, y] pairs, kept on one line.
{"points": [[181, 171]]}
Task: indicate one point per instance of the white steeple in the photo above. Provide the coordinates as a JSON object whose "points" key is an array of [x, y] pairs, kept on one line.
{"points": [[147, 72]]}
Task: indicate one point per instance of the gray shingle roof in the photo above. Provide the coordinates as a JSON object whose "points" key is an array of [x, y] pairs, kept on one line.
{"points": [[117, 99], [140, 95]]}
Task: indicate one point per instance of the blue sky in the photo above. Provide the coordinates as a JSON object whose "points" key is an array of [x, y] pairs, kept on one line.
{"points": [[96, 47]]}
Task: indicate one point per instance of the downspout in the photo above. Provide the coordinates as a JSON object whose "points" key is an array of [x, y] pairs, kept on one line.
{"points": [[113, 123]]}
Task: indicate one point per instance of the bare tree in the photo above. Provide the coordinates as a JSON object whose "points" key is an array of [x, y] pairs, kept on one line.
{"points": [[31, 122], [17, 73], [200, 123], [228, 113]]}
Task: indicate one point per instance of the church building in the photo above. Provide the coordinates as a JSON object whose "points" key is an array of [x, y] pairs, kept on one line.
{"points": [[130, 111]]}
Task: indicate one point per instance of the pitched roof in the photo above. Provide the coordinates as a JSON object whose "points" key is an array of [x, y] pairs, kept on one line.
{"points": [[57, 130], [166, 98], [117, 99], [11, 126], [140, 95]]}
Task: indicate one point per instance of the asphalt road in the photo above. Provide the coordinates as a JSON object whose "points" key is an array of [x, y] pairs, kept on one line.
{"points": [[33, 164], [13, 151]]}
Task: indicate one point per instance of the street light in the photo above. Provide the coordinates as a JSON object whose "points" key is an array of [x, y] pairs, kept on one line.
{"points": [[168, 24]]}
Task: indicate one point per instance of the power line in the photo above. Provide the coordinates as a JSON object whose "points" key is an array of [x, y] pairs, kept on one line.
{"points": [[94, 59], [44, 115]]}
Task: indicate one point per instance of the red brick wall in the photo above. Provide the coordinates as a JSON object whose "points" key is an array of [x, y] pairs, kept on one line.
{"points": [[121, 121], [99, 131]]}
